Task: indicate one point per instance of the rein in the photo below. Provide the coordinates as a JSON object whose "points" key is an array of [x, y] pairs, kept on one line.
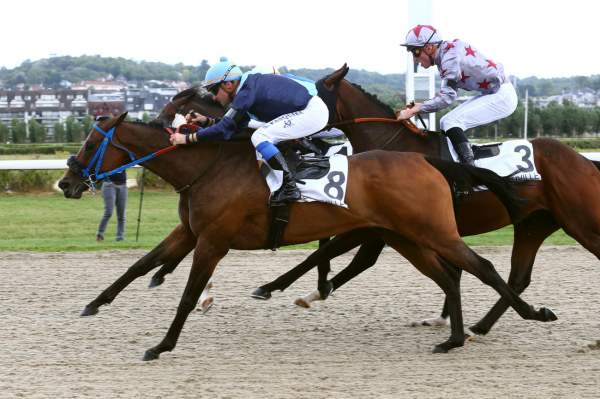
{"points": [[407, 124], [91, 178]]}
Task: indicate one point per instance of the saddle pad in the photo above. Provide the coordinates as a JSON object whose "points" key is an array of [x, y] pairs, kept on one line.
{"points": [[515, 160], [330, 188]]}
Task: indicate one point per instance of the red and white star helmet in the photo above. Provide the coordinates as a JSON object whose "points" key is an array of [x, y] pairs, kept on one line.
{"points": [[421, 35]]}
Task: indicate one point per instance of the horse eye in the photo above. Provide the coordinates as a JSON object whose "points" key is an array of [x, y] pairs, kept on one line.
{"points": [[89, 146]]}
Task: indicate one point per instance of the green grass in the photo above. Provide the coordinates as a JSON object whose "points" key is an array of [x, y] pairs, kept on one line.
{"points": [[50, 222]]}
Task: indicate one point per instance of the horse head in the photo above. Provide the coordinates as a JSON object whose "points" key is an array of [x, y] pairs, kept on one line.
{"points": [[190, 100], [95, 155]]}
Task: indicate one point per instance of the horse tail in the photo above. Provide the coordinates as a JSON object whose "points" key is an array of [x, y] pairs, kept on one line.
{"points": [[467, 176]]}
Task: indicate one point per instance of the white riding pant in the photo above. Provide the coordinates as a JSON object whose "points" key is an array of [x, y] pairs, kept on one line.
{"points": [[482, 109], [294, 125]]}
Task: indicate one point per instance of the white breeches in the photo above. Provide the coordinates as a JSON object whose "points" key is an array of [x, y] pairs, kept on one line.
{"points": [[482, 109], [294, 125]]}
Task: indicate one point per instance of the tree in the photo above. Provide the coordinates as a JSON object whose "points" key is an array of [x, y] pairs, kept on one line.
{"points": [[18, 131], [4, 133], [86, 123], [59, 133], [37, 132], [146, 118], [74, 132]]}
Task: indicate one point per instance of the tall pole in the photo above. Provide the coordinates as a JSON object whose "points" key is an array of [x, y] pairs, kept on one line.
{"points": [[526, 109], [137, 231]]}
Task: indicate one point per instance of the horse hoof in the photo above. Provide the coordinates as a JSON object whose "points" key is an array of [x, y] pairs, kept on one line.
{"points": [[206, 304], [440, 349], [156, 281], [326, 290], [478, 330], [302, 303], [89, 311], [261, 293], [548, 314], [150, 355]]}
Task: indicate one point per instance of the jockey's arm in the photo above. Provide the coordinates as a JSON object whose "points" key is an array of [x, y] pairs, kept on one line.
{"points": [[446, 96]]}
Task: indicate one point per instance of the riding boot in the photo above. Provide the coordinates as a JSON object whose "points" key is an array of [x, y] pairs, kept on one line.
{"points": [[461, 145], [289, 191], [465, 153]]}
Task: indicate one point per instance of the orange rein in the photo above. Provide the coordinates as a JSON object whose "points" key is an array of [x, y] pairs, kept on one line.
{"points": [[407, 123]]}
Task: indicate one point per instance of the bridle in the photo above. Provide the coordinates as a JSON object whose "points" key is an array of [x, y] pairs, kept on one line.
{"points": [[91, 173]]}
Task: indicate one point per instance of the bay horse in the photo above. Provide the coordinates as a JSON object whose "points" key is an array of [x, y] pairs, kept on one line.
{"points": [[403, 197], [565, 197]]}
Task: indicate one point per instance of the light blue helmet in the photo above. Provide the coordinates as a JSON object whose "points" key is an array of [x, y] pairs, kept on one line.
{"points": [[222, 71]]}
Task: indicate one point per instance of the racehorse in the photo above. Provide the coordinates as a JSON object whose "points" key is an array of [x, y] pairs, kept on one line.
{"points": [[403, 197], [565, 197]]}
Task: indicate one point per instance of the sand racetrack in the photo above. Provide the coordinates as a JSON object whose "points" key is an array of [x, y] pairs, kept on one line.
{"points": [[356, 344]]}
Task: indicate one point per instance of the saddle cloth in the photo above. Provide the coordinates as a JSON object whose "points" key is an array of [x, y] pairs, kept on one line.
{"points": [[513, 158], [319, 179]]}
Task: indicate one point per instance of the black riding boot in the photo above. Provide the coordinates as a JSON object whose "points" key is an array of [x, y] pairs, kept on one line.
{"points": [[289, 191], [461, 145]]}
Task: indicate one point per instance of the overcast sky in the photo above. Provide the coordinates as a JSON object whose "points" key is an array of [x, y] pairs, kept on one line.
{"points": [[550, 38]]}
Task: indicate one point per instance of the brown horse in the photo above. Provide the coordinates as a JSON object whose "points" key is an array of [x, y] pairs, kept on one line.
{"points": [[403, 197], [564, 198]]}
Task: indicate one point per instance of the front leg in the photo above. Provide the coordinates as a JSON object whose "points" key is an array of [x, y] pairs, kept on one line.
{"points": [[206, 256], [176, 246]]}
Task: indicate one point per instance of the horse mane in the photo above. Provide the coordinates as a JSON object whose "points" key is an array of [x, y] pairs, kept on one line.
{"points": [[186, 92], [152, 124], [376, 100]]}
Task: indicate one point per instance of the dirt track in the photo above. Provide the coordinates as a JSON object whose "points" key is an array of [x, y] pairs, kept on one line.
{"points": [[356, 344]]}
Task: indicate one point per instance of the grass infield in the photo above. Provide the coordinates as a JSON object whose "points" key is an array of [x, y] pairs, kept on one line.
{"points": [[49, 222]]}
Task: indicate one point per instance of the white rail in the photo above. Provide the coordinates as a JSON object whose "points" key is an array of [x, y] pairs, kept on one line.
{"points": [[49, 164]]}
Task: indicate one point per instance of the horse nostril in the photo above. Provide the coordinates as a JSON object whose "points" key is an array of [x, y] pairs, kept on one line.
{"points": [[63, 185]]}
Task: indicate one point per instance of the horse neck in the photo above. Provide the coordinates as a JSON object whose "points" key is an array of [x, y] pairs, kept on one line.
{"points": [[376, 135], [183, 165]]}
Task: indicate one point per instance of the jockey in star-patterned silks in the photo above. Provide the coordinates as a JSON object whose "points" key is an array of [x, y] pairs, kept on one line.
{"points": [[461, 66]]}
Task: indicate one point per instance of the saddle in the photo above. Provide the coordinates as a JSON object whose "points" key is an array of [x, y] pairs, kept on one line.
{"points": [[479, 151]]}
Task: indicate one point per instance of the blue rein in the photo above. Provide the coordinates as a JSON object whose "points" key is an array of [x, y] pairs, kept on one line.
{"points": [[98, 158]]}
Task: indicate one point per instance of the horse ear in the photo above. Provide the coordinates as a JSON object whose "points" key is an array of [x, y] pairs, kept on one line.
{"points": [[121, 118], [335, 77], [113, 122]]}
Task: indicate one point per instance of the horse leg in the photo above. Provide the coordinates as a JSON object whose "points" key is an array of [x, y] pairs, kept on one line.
{"points": [[445, 276], [365, 258], [529, 235], [442, 320], [459, 254], [177, 244], [337, 246], [159, 277], [206, 257], [323, 268]]}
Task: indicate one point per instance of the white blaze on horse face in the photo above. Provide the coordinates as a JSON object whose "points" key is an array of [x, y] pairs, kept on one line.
{"points": [[178, 121]]}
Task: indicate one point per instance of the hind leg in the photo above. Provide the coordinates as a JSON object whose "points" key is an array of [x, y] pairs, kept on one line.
{"points": [[365, 258], [529, 235], [445, 276], [459, 254]]}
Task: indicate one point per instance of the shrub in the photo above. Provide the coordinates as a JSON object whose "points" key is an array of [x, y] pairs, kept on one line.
{"points": [[28, 180], [59, 133], [4, 133], [37, 132]]}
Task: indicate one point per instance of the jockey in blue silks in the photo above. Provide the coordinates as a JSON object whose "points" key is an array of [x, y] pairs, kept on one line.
{"points": [[287, 109]]}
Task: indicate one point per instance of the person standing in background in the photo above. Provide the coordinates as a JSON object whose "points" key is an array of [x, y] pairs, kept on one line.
{"points": [[114, 191]]}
